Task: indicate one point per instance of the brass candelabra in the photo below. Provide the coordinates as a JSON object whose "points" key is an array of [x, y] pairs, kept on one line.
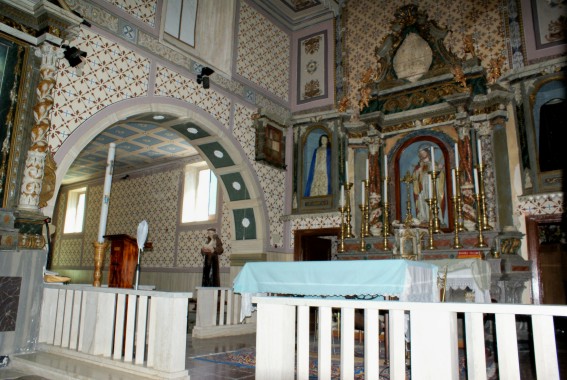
{"points": [[485, 225], [348, 212], [479, 219], [408, 180], [434, 208], [366, 214], [363, 226], [431, 229], [456, 241], [341, 247], [460, 221]]}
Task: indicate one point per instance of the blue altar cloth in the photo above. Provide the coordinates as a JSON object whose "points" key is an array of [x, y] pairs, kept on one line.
{"points": [[407, 280]]}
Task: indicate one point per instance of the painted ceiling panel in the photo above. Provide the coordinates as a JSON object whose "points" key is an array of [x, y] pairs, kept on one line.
{"points": [[217, 155]]}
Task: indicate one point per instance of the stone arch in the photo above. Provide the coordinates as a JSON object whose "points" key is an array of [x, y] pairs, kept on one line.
{"points": [[212, 140]]}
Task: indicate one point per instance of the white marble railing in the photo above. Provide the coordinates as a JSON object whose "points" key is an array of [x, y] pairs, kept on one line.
{"points": [[136, 331], [283, 338], [218, 314]]}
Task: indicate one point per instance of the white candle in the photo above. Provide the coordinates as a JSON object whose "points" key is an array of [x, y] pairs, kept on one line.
{"points": [[342, 195], [479, 151], [367, 170], [106, 192], [432, 159], [430, 183], [346, 171], [475, 181], [385, 165], [454, 182], [385, 191], [456, 156], [362, 192]]}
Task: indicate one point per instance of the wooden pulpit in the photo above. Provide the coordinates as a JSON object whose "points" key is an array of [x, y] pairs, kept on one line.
{"points": [[123, 260]]}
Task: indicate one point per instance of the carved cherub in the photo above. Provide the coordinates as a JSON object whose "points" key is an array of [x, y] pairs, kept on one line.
{"points": [[459, 76], [468, 48], [343, 104], [368, 75], [364, 97], [495, 68]]}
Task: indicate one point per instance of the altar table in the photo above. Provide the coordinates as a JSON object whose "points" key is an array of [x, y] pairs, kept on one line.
{"points": [[406, 280]]}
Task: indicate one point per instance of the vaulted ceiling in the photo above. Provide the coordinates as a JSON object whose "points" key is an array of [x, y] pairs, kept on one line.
{"points": [[144, 140]]}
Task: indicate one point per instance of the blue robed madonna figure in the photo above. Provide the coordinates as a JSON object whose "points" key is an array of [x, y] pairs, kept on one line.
{"points": [[319, 175]]}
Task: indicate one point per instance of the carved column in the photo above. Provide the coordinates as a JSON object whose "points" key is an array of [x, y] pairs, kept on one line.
{"points": [[374, 142], [484, 130], [35, 160]]}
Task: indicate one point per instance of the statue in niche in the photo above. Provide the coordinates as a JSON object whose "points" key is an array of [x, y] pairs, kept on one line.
{"points": [[318, 162], [421, 182]]}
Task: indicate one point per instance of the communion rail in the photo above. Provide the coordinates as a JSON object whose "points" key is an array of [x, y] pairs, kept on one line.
{"points": [[283, 338], [218, 314], [142, 332]]}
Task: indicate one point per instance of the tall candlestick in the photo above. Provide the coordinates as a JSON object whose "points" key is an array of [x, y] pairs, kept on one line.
{"points": [[342, 195], [479, 151], [346, 171], [106, 192], [362, 197], [430, 184], [367, 170], [432, 159], [385, 191], [475, 181], [456, 156], [385, 165], [454, 182]]}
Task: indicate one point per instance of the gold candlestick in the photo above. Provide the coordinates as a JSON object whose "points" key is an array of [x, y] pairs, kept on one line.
{"points": [[479, 221], [434, 208], [363, 226], [485, 225], [456, 242], [386, 225], [460, 221], [430, 203], [348, 212], [367, 204], [341, 247], [98, 262], [408, 180]]}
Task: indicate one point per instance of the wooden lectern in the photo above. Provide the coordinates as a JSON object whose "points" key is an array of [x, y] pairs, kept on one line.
{"points": [[123, 260]]}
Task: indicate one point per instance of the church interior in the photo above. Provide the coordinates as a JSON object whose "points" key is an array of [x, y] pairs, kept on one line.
{"points": [[315, 132]]}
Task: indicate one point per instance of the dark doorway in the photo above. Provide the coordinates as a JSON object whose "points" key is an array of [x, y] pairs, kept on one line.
{"points": [[314, 245]]}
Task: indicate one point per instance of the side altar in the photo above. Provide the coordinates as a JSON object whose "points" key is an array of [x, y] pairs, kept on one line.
{"points": [[415, 158]]}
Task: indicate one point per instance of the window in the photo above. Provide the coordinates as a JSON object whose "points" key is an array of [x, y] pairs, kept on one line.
{"points": [[75, 215], [180, 20], [199, 194]]}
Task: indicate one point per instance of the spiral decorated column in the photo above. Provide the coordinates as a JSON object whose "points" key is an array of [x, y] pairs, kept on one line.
{"points": [[35, 160]]}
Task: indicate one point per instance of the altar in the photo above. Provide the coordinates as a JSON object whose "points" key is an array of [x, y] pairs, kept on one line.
{"points": [[373, 279]]}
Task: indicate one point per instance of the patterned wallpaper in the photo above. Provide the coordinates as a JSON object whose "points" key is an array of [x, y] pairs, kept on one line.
{"points": [[111, 73], [368, 23], [143, 10], [308, 222], [263, 52], [544, 204], [170, 83]]}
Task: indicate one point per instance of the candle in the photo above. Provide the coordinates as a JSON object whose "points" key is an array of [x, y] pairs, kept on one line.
{"points": [[346, 171], [342, 195], [454, 182], [362, 192], [367, 176], [430, 183], [475, 181], [432, 159], [479, 151], [385, 191], [106, 192], [385, 165], [456, 156]]}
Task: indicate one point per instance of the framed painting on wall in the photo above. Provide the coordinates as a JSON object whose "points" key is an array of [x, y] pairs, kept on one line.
{"points": [[544, 27]]}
